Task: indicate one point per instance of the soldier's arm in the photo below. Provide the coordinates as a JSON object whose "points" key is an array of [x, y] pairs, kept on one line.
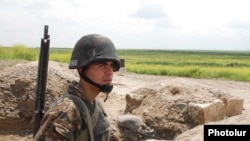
{"points": [[62, 122]]}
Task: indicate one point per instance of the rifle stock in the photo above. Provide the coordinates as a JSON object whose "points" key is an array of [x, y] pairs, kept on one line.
{"points": [[41, 80]]}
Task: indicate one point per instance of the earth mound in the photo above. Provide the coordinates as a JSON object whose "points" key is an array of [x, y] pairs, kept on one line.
{"points": [[18, 91]]}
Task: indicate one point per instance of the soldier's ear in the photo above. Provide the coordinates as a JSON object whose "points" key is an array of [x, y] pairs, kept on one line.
{"points": [[80, 70]]}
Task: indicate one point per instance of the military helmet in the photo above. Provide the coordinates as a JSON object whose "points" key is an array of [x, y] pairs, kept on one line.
{"points": [[92, 48]]}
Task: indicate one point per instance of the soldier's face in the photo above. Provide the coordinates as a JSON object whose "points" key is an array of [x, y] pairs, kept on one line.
{"points": [[100, 72]]}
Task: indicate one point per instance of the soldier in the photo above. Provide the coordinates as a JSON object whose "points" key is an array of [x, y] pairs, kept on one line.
{"points": [[78, 115]]}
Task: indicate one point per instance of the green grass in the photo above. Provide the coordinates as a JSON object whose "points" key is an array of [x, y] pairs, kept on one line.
{"points": [[228, 65], [60, 54], [18, 52]]}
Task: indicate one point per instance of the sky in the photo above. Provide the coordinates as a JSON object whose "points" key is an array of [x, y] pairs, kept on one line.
{"points": [[130, 24]]}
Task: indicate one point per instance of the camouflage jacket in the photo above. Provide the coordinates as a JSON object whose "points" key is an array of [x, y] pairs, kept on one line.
{"points": [[64, 121]]}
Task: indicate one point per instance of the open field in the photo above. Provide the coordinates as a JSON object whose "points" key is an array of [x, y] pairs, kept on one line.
{"points": [[196, 64], [228, 65]]}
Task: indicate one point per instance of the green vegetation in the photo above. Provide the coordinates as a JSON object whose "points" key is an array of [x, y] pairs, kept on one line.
{"points": [[229, 65], [18, 52], [60, 54]]}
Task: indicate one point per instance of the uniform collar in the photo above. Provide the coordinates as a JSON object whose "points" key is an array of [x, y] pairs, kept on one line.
{"points": [[72, 89]]}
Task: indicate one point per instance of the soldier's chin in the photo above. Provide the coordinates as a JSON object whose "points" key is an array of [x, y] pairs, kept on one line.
{"points": [[108, 82]]}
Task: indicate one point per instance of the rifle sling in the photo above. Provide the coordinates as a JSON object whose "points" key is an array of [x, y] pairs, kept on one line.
{"points": [[89, 122]]}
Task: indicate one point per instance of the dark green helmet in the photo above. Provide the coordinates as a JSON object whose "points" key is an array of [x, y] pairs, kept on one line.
{"points": [[92, 48]]}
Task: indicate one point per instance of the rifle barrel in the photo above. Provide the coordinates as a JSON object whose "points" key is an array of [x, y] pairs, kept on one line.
{"points": [[41, 80]]}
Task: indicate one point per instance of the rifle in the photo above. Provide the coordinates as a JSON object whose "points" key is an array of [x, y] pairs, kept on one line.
{"points": [[41, 80]]}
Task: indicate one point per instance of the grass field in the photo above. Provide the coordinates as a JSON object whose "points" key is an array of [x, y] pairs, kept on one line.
{"points": [[229, 65]]}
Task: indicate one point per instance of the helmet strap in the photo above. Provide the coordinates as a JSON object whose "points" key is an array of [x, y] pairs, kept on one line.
{"points": [[107, 88]]}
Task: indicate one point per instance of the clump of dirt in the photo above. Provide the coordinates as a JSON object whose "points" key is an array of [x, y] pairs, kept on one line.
{"points": [[167, 111], [164, 110]]}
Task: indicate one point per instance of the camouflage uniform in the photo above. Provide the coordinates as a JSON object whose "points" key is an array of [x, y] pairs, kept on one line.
{"points": [[63, 121]]}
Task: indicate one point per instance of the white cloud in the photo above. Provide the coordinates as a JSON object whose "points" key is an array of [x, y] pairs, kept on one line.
{"points": [[150, 11], [164, 24]]}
